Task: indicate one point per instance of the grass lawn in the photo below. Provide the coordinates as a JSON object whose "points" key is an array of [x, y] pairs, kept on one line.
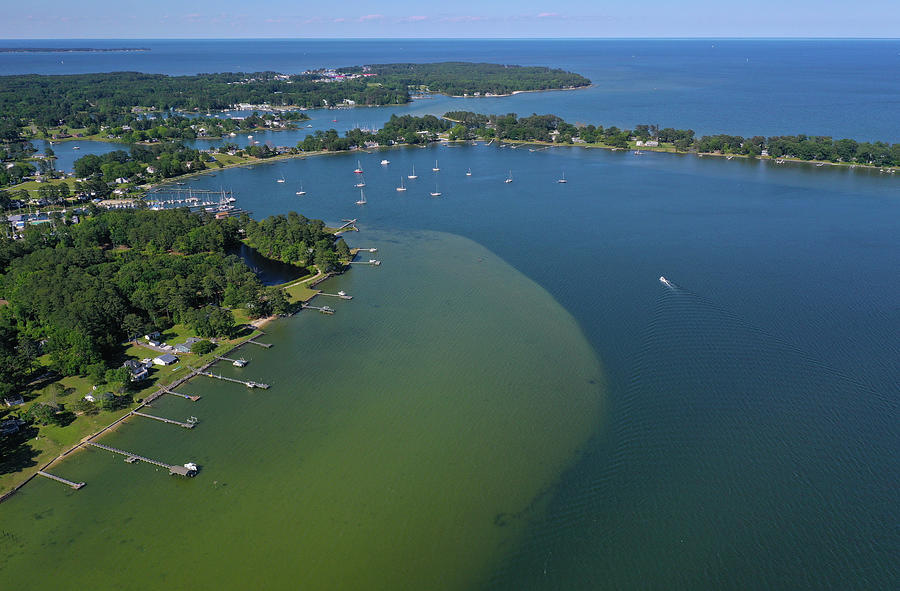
{"points": [[300, 292]]}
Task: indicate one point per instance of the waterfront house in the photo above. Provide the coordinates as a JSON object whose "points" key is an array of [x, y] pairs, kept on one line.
{"points": [[138, 370], [165, 359]]}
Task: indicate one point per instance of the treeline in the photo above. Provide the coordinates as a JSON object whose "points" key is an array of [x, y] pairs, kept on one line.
{"points": [[297, 240], [550, 128], [459, 78], [76, 291], [85, 100], [407, 129]]}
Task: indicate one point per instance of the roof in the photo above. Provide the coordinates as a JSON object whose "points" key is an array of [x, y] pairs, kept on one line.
{"points": [[167, 358]]}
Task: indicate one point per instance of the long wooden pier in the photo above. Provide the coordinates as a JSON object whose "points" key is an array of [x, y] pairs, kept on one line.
{"points": [[322, 309], [249, 384], [347, 224], [131, 458], [186, 425], [265, 345], [75, 485], [369, 262], [240, 362], [187, 396]]}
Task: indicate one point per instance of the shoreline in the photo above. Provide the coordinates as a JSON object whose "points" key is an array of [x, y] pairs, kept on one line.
{"points": [[256, 324]]}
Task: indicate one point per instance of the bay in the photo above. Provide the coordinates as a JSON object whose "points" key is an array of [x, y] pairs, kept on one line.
{"points": [[740, 431]]}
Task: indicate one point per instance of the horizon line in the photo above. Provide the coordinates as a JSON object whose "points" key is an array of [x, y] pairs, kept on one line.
{"points": [[560, 38]]}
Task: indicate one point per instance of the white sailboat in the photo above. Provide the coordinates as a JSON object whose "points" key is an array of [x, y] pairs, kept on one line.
{"points": [[435, 193], [362, 198], [563, 179], [361, 183], [469, 172], [508, 178], [401, 187], [301, 191], [412, 175], [358, 168], [281, 180], [435, 169]]}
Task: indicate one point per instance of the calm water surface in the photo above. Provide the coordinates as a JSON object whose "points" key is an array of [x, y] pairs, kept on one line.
{"points": [[513, 400], [452, 419]]}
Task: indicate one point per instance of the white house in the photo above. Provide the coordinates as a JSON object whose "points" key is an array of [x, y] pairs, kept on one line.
{"points": [[165, 359]]}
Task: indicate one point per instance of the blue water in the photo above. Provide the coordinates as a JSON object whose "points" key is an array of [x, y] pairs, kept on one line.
{"points": [[841, 88], [752, 432]]}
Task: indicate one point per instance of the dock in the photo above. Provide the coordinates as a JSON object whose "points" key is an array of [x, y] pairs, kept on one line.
{"points": [[132, 458], [322, 309], [236, 362], [369, 262], [265, 345], [75, 485], [187, 396], [189, 424], [236, 381], [343, 296], [349, 226]]}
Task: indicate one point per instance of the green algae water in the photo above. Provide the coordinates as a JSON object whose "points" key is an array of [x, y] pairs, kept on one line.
{"points": [[406, 442], [450, 427]]}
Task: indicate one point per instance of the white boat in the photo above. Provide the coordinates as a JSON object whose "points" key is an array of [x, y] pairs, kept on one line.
{"points": [[281, 180], [637, 152], [508, 178], [362, 198], [358, 168], [301, 191], [385, 162], [563, 179], [342, 293], [75, 148], [665, 282], [239, 362], [309, 125], [361, 183], [249, 137], [192, 466], [435, 169], [469, 172], [412, 175], [435, 193], [401, 187]]}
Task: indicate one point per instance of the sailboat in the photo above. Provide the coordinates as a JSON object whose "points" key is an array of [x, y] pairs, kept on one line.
{"points": [[281, 180], [412, 175], [508, 178], [435, 193], [563, 179], [435, 169], [362, 198], [358, 168], [469, 172], [401, 187], [361, 183], [301, 191]]}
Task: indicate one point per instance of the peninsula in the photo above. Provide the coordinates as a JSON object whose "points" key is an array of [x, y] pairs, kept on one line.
{"points": [[157, 291]]}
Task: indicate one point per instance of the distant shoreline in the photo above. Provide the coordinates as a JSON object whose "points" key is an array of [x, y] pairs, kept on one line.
{"points": [[70, 49]]}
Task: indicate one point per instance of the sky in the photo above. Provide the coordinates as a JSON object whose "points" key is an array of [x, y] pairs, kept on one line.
{"points": [[130, 19]]}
